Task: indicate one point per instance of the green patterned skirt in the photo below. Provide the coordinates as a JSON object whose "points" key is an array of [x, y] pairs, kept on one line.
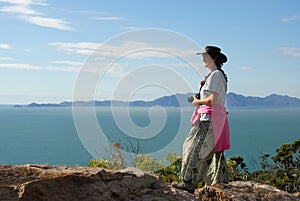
{"points": [[199, 160]]}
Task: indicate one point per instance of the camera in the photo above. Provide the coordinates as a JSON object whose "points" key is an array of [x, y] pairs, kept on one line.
{"points": [[191, 99]]}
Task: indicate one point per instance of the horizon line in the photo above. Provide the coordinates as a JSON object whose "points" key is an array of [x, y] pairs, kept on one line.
{"points": [[71, 101]]}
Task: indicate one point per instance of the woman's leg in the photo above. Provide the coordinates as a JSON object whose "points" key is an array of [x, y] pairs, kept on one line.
{"points": [[217, 172], [198, 151]]}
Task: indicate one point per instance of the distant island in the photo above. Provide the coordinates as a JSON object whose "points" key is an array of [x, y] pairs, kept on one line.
{"points": [[177, 100]]}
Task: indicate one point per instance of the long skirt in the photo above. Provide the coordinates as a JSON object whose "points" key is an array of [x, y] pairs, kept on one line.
{"points": [[199, 160]]}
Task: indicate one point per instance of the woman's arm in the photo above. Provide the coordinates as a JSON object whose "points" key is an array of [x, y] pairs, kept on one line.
{"points": [[210, 100]]}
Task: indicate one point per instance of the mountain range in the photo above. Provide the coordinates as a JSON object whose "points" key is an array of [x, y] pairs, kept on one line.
{"points": [[233, 100], [273, 100]]}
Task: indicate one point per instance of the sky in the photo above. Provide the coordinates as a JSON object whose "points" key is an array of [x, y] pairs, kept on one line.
{"points": [[54, 51]]}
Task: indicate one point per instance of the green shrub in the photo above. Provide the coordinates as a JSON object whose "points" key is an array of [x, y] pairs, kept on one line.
{"points": [[146, 163], [171, 172], [283, 173], [237, 169]]}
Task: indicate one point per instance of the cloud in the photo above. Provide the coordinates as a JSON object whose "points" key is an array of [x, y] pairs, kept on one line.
{"points": [[19, 10], [129, 28], [244, 68], [117, 59], [85, 48], [48, 22], [111, 18], [290, 51], [89, 12], [130, 49], [23, 10], [70, 63], [288, 19], [25, 2], [117, 69], [4, 46], [21, 66], [21, 6], [6, 59]]}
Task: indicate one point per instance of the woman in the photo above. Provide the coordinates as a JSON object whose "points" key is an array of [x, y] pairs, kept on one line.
{"points": [[203, 150]]}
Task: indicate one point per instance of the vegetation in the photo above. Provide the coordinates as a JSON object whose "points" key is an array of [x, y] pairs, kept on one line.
{"points": [[284, 170], [237, 169], [281, 170], [171, 172]]}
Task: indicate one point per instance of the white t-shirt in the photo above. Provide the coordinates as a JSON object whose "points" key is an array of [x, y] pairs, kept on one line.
{"points": [[217, 83]]}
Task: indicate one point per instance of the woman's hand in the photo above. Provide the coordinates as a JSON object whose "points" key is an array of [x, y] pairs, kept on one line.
{"points": [[211, 99], [196, 101]]}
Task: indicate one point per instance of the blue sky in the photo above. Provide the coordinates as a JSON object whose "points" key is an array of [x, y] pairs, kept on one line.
{"points": [[45, 44]]}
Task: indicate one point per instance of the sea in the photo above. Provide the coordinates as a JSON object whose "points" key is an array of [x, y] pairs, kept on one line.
{"points": [[49, 135]]}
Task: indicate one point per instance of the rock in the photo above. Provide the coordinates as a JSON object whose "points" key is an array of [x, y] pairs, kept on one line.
{"points": [[242, 191], [43, 182]]}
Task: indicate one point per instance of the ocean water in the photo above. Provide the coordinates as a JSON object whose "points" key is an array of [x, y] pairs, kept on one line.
{"points": [[48, 135]]}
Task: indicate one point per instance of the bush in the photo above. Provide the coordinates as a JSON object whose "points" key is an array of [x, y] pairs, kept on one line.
{"points": [[171, 173], [146, 163], [237, 169], [283, 173]]}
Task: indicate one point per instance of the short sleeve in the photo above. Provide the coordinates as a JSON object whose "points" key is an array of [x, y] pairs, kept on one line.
{"points": [[215, 82]]}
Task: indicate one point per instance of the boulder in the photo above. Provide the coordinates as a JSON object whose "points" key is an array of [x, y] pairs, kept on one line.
{"points": [[243, 191], [44, 182]]}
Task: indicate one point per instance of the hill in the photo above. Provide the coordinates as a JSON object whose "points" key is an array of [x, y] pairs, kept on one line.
{"points": [[233, 100], [273, 100]]}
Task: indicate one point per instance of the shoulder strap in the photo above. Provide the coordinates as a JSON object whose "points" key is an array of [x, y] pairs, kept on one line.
{"points": [[203, 82]]}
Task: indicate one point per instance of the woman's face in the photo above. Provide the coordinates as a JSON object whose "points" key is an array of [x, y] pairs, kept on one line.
{"points": [[208, 61]]}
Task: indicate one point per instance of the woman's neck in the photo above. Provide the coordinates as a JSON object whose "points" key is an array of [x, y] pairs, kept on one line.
{"points": [[212, 68]]}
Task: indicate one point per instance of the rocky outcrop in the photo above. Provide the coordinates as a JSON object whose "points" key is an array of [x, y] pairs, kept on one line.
{"points": [[244, 191], [63, 183], [43, 182]]}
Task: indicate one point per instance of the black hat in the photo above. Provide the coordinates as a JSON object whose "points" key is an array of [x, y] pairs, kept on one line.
{"points": [[214, 50]]}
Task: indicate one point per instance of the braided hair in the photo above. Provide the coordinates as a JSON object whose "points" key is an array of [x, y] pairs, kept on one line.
{"points": [[216, 57], [224, 74]]}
